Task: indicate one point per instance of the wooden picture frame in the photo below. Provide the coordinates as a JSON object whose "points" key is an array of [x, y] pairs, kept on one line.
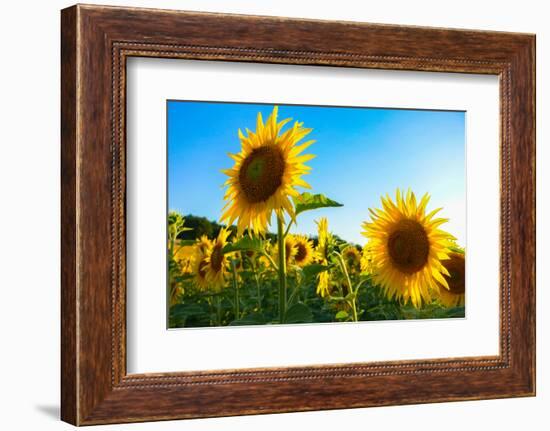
{"points": [[95, 43]]}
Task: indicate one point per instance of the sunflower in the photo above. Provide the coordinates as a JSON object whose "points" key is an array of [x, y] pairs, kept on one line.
{"points": [[265, 174], [454, 297], [203, 244], [304, 250], [217, 262], [239, 261], [352, 257], [176, 292], [367, 266], [407, 248], [290, 250], [202, 248], [263, 261], [325, 239], [184, 256], [323, 284]]}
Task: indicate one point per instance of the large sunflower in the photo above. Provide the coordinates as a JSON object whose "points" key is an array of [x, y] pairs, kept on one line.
{"points": [[217, 262], [407, 248], [454, 297], [304, 250], [265, 174]]}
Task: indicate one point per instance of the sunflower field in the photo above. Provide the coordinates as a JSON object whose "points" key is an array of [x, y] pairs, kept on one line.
{"points": [[241, 273]]}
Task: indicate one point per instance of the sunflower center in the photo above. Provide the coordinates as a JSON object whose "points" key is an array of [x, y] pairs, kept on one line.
{"points": [[261, 173], [301, 252], [456, 267], [408, 246], [216, 258]]}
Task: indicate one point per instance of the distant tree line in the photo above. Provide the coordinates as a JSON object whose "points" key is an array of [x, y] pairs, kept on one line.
{"points": [[202, 226]]}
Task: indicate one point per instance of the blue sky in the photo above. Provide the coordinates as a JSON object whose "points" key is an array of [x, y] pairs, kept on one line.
{"points": [[361, 154]]}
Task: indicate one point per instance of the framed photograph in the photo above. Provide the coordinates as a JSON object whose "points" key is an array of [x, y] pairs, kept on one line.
{"points": [[323, 214]]}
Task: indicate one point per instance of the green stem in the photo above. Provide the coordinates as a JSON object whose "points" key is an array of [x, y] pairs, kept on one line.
{"points": [[209, 302], [236, 288], [288, 228], [171, 247], [271, 261], [294, 294], [282, 268], [257, 285], [170, 275], [358, 286], [219, 310], [350, 286], [354, 310]]}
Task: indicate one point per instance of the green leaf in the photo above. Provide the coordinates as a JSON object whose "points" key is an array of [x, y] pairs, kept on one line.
{"points": [[306, 202], [342, 314], [314, 269], [299, 313], [245, 243], [185, 310], [453, 312], [184, 277], [251, 319], [336, 298], [180, 313]]}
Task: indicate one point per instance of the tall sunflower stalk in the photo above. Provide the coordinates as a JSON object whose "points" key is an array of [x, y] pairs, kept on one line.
{"points": [[282, 268], [235, 281], [263, 180]]}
